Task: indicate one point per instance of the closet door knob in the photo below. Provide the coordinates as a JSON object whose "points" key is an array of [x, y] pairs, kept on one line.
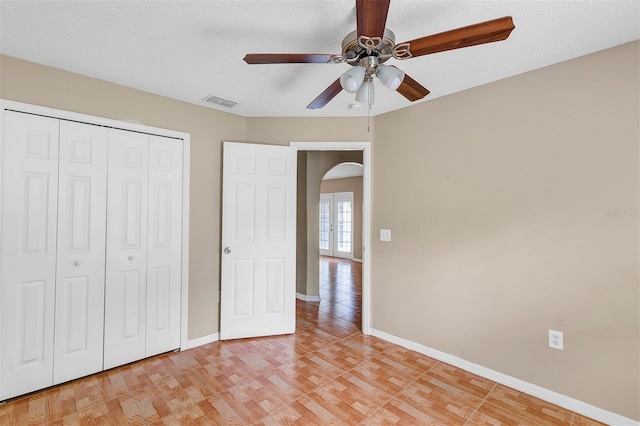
{"points": [[227, 250], [130, 257], [76, 263]]}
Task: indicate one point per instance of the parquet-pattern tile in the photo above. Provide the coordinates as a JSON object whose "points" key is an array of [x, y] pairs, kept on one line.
{"points": [[327, 373]]}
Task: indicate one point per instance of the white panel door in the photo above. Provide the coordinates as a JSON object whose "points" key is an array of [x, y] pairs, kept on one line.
{"points": [[336, 225], [164, 245], [326, 225], [258, 240], [82, 198], [343, 220], [28, 256], [126, 269]]}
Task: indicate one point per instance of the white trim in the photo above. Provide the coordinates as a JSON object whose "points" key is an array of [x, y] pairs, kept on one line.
{"points": [[357, 260], [186, 196], [190, 344], [331, 146], [365, 147], [1, 231], [556, 398], [90, 119], [306, 298]]}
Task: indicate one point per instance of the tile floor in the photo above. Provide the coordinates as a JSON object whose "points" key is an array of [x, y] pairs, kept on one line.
{"points": [[326, 373]]}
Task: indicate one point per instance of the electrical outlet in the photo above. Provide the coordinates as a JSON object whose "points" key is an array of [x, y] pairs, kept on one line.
{"points": [[556, 339]]}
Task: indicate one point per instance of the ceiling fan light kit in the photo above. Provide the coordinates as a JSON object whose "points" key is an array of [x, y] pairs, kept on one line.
{"points": [[372, 44], [352, 79], [366, 94], [390, 76], [363, 72]]}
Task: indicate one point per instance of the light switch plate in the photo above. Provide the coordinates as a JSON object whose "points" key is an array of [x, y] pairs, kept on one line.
{"points": [[385, 235]]}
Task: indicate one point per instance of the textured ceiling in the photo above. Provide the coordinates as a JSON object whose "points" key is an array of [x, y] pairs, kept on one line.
{"points": [[187, 50]]}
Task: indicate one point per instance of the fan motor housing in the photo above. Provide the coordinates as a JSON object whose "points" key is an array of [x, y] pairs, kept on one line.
{"points": [[352, 49]]}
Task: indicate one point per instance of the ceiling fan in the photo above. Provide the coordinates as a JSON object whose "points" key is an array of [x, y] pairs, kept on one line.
{"points": [[367, 48]]}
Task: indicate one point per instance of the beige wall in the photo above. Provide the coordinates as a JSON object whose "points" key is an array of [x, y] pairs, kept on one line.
{"points": [[497, 212], [497, 200], [301, 225], [27, 82], [281, 131], [352, 184]]}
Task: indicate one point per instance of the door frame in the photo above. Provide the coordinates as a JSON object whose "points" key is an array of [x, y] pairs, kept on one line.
{"points": [[365, 147]]}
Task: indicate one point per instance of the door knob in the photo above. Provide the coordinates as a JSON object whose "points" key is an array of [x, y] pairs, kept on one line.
{"points": [[76, 263], [227, 250], [130, 257]]}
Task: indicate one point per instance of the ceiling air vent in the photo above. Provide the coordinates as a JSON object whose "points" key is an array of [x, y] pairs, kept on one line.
{"points": [[219, 101]]}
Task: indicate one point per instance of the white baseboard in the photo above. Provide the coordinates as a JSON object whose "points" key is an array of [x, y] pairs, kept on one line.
{"points": [[306, 298], [201, 341], [357, 260], [556, 398]]}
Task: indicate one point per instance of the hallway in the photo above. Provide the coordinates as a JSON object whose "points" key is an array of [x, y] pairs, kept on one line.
{"points": [[340, 305]]}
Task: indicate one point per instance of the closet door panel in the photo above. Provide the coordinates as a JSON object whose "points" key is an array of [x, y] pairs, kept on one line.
{"points": [[164, 245], [126, 270], [81, 251], [28, 260]]}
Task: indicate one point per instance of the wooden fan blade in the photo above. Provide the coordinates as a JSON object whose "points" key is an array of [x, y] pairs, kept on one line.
{"points": [[411, 89], [484, 32], [371, 17], [324, 97], [287, 58]]}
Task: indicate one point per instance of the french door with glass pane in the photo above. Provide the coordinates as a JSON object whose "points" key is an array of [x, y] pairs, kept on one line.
{"points": [[336, 225]]}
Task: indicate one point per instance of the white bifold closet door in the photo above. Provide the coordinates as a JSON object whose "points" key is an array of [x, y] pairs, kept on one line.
{"points": [[54, 219], [126, 286], [90, 252], [164, 245], [82, 199], [28, 269], [143, 278]]}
